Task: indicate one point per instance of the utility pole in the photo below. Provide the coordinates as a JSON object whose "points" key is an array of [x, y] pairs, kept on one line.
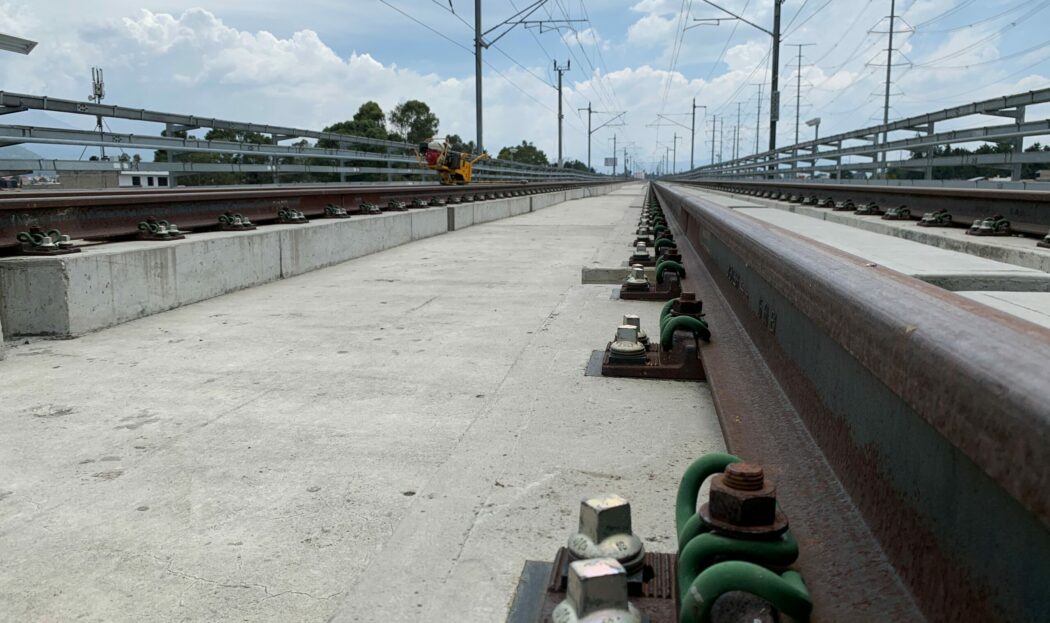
{"points": [[591, 132], [477, 73], [614, 154], [714, 133], [889, 72], [674, 151], [798, 87], [774, 99], [758, 116], [692, 139], [561, 71], [774, 93], [736, 137], [589, 114], [721, 139], [518, 19]]}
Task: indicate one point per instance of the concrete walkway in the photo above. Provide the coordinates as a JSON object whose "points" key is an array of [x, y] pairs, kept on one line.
{"points": [[387, 439]]}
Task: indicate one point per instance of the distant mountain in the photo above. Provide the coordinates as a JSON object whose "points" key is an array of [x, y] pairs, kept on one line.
{"points": [[17, 152]]}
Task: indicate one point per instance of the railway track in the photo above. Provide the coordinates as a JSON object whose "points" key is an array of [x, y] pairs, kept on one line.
{"points": [[1027, 210], [115, 214], [907, 428]]}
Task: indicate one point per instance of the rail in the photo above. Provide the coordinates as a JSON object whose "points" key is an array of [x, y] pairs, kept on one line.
{"points": [[908, 428]]}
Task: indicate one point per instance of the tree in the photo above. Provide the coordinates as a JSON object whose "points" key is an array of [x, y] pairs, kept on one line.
{"points": [[455, 143], [413, 121], [526, 153], [577, 165]]}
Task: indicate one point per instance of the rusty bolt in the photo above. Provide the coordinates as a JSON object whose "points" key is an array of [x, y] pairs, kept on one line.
{"points": [[743, 497], [687, 305]]}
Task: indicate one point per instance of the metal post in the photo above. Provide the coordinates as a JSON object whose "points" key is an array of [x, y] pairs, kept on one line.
{"points": [[736, 138], [758, 117], [477, 72], [714, 122], [721, 139], [589, 113], [561, 71], [889, 72], [774, 101], [674, 151]]}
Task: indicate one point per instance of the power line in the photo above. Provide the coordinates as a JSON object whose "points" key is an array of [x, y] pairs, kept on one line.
{"points": [[431, 29], [951, 11], [1017, 7], [979, 42]]}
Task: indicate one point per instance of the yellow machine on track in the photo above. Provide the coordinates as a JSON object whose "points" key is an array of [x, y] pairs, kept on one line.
{"points": [[453, 167]]}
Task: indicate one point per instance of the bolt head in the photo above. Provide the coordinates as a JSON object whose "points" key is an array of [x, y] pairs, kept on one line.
{"points": [[624, 333], [633, 320], [606, 515], [597, 584]]}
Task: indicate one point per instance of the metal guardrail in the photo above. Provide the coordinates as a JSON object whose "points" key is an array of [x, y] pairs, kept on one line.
{"points": [[803, 158], [396, 153]]}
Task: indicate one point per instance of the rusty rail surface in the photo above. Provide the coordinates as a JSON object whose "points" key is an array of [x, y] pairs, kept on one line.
{"points": [[908, 428], [115, 214], [1027, 210]]}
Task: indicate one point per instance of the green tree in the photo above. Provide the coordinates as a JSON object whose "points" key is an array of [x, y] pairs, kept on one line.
{"points": [[413, 121], [526, 153], [455, 143], [577, 165]]}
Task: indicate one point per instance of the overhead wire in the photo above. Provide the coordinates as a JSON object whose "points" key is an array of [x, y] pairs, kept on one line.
{"points": [[1017, 7]]}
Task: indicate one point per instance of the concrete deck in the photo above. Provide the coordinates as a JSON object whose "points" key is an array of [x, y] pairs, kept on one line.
{"points": [[385, 439], [948, 269]]}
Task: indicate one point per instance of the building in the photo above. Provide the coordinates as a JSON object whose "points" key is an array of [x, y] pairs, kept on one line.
{"points": [[112, 179]]}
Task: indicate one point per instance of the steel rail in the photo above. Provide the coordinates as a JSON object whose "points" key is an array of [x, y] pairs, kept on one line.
{"points": [[1027, 210], [116, 215], [905, 424]]}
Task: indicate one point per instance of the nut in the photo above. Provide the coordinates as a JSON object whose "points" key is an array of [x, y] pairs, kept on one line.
{"points": [[744, 502], [687, 305], [742, 497], [597, 592], [605, 528]]}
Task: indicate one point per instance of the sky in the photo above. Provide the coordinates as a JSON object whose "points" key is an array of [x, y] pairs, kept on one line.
{"points": [[312, 63]]}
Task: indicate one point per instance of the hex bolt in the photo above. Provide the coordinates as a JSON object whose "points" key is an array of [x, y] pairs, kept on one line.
{"points": [[743, 501], [687, 305], [635, 321], [597, 593], [605, 520]]}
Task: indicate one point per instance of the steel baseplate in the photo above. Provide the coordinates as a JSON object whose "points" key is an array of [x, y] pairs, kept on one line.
{"points": [[681, 363], [651, 590], [669, 289]]}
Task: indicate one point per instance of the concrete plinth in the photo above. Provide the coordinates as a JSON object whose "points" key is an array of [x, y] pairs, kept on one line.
{"points": [[105, 285], [1014, 250], [950, 270], [1031, 306]]}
